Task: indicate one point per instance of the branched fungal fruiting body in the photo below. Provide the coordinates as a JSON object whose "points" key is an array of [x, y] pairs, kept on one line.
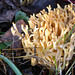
{"points": [[48, 36]]}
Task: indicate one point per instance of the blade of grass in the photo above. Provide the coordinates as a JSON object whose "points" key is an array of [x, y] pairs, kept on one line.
{"points": [[71, 33], [0, 51], [15, 69], [70, 68], [55, 64], [64, 38], [62, 67]]}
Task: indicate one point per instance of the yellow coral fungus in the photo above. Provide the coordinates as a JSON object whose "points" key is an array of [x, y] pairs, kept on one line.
{"points": [[47, 29]]}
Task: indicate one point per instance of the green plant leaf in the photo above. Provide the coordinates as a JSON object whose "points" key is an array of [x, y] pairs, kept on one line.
{"points": [[1, 33], [15, 69], [2, 45], [8, 43], [21, 15], [5, 44]]}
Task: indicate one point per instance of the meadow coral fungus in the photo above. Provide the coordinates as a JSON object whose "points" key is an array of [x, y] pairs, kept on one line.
{"points": [[49, 33]]}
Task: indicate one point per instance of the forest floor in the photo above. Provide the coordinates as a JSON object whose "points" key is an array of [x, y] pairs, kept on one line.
{"points": [[8, 9]]}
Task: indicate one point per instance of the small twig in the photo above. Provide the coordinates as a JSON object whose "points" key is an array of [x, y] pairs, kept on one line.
{"points": [[42, 71], [21, 48], [3, 71], [4, 67], [24, 62], [13, 49]]}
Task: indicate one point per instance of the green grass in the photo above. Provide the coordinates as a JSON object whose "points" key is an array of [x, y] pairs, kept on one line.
{"points": [[70, 33], [15, 69], [55, 65], [70, 68]]}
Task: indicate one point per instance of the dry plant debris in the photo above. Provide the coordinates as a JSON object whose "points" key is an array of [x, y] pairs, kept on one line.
{"points": [[47, 28]]}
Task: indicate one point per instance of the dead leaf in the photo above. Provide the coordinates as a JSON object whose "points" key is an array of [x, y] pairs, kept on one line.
{"points": [[8, 16], [1, 5], [9, 37], [9, 3]]}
